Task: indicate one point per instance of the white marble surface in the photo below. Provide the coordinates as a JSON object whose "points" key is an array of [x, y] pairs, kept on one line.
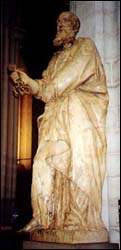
{"points": [[113, 141], [113, 164], [114, 219], [114, 188], [113, 96], [113, 119]]}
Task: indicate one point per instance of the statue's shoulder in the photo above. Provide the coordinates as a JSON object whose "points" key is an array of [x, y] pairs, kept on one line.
{"points": [[85, 40], [86, 44]]}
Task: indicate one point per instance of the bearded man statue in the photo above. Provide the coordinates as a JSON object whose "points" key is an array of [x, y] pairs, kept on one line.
{"points": [[69, 166]]}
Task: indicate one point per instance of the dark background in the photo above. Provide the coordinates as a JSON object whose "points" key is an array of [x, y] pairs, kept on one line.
{"points": [[38, 20]]}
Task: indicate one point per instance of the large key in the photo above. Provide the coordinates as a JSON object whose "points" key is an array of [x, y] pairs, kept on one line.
{"points": [[19, 87]]}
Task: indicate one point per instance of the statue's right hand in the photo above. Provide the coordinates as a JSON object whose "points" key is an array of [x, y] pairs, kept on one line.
{"points": [[23, 84], [18, 75], [20, 80]]}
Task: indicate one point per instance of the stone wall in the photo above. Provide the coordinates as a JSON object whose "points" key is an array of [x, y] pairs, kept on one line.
{"points": [[100, 21]]}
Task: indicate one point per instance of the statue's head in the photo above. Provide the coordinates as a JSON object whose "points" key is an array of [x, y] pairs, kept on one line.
{"points": [[68, 25]]}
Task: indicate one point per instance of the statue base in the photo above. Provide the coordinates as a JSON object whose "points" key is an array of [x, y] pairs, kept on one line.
{"points": [[40, 245], [70, 236]]}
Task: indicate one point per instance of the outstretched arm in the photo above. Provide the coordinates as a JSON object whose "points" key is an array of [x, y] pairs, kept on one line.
{"points": [[23, 84]]}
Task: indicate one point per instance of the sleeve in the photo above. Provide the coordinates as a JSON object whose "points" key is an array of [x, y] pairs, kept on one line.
{"points": [[46, 91]]}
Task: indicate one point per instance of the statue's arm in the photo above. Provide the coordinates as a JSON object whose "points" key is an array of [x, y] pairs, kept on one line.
{"points": [[78, 70], [23, 84]]}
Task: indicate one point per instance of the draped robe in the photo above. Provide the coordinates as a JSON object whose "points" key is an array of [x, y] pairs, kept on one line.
{"points": [[69, 166]]}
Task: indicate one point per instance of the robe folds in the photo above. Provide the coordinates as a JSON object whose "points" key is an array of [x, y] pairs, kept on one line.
{"points": [[69, 165]]}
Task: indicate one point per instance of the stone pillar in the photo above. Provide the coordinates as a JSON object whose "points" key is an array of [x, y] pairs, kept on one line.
{"points": [[100, 21], [11, 41]]}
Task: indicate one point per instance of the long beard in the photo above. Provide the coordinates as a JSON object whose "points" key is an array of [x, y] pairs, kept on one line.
{"points": [[62, 39], [58, 42]]}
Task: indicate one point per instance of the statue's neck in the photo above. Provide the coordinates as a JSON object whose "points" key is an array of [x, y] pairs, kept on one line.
{"points": [[69, 42]]}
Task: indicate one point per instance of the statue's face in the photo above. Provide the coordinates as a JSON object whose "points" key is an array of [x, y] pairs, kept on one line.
{"points": [[65, 33]]}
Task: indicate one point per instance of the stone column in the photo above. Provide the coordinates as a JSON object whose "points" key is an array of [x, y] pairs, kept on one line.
{"points": [[100, 21], [11, 41]]}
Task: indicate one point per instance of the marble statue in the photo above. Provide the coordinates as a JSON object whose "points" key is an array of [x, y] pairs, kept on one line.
{"points": [[69, 165]]}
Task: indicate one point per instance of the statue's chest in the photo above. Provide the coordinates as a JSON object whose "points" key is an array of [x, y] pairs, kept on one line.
{"points": [[62, 60], [59, 62]]}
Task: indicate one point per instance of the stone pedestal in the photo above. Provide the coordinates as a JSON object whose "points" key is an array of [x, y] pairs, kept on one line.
{"points": [[70, 236], [40, 245]]}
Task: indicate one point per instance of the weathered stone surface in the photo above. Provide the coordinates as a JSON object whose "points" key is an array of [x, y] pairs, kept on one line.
{"points": [[70, 236], [40, 245]]}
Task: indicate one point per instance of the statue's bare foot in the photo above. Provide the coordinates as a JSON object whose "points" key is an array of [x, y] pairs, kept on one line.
{"points": [[31, 226]]}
